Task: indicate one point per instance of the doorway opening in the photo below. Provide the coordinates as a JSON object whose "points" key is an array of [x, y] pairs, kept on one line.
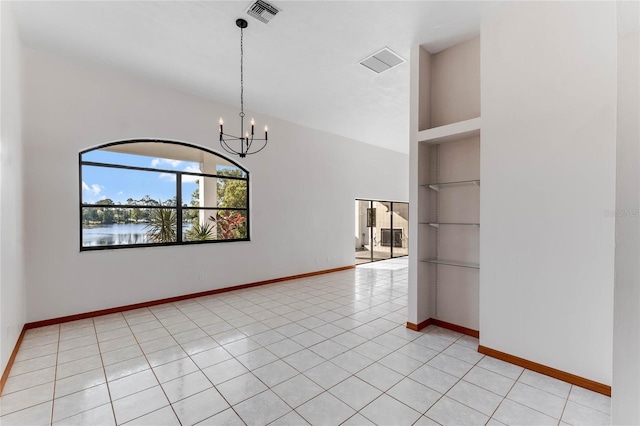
{"points": [[381, 230]]}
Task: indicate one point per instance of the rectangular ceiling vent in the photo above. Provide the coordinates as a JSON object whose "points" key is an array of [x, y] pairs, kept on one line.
{"points": [[262, 11], [383, 60]]}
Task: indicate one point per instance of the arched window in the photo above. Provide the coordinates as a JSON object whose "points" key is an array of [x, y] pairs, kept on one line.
{"points": [[147, 193]]}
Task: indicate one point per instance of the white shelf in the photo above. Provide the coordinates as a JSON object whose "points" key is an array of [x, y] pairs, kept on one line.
{"points": [[437, 186], [453, 263], [437, 224], [453, 131]]}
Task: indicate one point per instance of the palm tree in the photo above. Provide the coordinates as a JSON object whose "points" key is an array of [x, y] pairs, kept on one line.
{"points": [[200, 232], [162, 225]]}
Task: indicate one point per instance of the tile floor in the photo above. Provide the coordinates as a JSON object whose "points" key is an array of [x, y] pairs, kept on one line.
{"points": [[331, 349]]}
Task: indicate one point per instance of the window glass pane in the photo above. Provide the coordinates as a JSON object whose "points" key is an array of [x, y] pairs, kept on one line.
{"points": [[229, 170], [381, 230], [197, 225], [213, 192], [142, 155], [209, 224], [106, 226], [163, 156], [231, 224], [113, 186], [232, 193], [400, 234]]}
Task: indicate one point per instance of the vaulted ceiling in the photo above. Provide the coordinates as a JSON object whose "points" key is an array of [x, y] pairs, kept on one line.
{"points": [[302, 66]]}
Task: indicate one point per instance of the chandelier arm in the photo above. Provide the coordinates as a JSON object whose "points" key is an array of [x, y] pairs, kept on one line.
{"points": [[231, 137], [255, 152], [227, 148]]}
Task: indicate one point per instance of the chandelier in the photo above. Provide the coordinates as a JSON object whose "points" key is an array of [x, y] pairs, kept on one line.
{"points": [[246, 138]]}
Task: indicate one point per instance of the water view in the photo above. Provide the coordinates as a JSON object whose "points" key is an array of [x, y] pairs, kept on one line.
{"points": [[119, 234]]}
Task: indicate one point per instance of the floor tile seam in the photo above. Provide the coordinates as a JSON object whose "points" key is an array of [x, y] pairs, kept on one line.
{"points": [[62, 333], [39, 332], [564, 407], [192, 395], [434, 420], [77, 374], [507, 393], [26, 347], [26, 408], [400, 401], [183, 348], [142, 323], [500, 374], [4, 393], [284, 415], [317, 396], [544, 390], [28, 372], [157, 379], [135, 418], [482, 387], [454, 385], [106, 383], [55, 379], [268, 389], [587, 406], [119, 349], [524, 405], [98, 333], [336, 384], [20, 359], [282, 399], [54, 398]]}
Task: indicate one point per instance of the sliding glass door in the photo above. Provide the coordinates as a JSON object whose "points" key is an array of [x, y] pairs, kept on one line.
{"points": [[381, 230], [400, 233]]}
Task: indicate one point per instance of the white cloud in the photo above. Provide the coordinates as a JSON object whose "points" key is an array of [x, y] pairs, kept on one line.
{"points": [[94, 189], [163, 161], [120, 193], [190, 178], [168, 177]]}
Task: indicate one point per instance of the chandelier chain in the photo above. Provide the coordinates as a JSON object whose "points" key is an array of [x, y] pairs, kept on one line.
{"points": [[241, 73]]}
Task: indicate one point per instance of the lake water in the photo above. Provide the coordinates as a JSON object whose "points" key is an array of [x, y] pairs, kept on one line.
{"points": [[118, 234]]}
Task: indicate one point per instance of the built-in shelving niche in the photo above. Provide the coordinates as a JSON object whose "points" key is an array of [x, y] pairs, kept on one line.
{"points": [[449, 183]]}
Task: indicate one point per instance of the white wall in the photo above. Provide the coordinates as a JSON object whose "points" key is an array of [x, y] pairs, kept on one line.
{"points": [[548, 168], [626, 336], [303, 187], [12, 292]]}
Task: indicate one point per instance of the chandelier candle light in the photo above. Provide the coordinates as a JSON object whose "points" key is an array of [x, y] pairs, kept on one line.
{"points": [[246, 140]]}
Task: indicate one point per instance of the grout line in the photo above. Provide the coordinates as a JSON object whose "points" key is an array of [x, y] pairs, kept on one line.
{"points": [[564, 407], [144, 354], [55, 379], [104, 371]]}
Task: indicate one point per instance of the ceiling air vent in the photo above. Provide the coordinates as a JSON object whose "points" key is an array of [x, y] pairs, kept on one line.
{"points": [[382, 60], [262, 11]]}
